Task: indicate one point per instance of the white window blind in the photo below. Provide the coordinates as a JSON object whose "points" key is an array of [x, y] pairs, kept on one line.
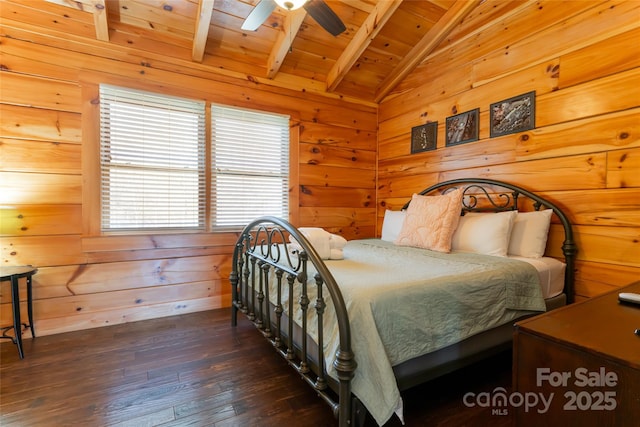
{"points": [[250, 166], [152, 157]]}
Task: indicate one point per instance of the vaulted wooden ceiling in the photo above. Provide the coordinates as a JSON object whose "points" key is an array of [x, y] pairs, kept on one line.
{"points": [[383, 42]]}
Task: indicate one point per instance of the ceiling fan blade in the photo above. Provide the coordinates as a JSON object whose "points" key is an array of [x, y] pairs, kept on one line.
{"points": [[258, 15], [324, 16]]}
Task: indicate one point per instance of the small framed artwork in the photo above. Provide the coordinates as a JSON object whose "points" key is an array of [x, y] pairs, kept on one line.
{"points": [[463, 127], [424, 137], [513, 115]]}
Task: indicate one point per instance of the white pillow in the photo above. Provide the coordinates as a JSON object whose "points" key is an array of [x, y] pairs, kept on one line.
{"points": [[529, 234], [484, 233], [391, 225]]}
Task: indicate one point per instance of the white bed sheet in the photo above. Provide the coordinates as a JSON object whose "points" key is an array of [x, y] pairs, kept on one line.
{"points": [[551, 273]]}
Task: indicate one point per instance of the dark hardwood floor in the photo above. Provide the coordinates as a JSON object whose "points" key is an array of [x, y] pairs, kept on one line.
{"points": [[196, 370]]}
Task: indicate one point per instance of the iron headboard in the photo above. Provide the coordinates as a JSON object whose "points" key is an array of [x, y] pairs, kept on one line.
{"points": [[502, 196]]}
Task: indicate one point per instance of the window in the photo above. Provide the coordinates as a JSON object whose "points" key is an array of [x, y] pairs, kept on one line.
{"points": [[152, 158], [250, 166]]}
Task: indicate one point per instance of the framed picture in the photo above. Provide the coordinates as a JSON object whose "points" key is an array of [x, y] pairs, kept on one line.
{"points": [[463, 127], [424, 137], [513, 115]]}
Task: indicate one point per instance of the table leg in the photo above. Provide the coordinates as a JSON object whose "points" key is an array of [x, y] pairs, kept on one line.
{"points": [[17, 326], [30, 305]]}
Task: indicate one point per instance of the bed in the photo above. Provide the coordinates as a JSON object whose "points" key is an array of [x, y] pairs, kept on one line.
{"points": [[401, 310]]}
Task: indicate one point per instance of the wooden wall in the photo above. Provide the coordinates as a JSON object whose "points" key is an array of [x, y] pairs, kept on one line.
{"points": [[49, 175], [583, 61], [581, 58]]}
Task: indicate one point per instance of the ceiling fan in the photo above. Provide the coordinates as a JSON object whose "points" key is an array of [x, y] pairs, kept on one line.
{"points": [[318, 9]]}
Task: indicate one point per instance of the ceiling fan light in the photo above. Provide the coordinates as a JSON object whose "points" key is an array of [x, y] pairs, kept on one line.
{"points": [[290, 4]]}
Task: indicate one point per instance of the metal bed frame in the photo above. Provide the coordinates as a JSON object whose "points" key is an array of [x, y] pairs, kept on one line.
{"points": [[261, 252]]}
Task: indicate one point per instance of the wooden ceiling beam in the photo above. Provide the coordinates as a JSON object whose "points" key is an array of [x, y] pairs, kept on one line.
{"points": [[282, 46], [201, 31], [99, 10], [458, 11], [100, 20], [361, 40]]}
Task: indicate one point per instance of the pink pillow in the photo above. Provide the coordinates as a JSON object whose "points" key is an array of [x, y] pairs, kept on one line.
{"points": [[430, 221]]}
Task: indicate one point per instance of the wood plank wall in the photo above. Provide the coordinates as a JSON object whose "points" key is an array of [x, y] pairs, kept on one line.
{"points": [[48, 174], [583, 61], [581, 58]]}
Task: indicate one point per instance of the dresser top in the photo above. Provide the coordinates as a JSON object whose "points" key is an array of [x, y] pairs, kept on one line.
{"points": [[600, 325]]}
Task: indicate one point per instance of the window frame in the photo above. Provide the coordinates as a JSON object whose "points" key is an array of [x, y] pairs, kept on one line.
{"points": [[93, 239], [148, 152], [259, 119]]}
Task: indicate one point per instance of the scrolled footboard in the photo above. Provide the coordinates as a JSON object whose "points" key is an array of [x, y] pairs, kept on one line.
{"points": [[262, 263]]}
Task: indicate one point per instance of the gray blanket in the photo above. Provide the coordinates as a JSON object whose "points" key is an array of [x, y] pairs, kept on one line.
{"points": [[404, 302]]}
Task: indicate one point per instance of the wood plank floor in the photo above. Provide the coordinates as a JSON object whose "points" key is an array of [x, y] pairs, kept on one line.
{"points": [[196, 370]]}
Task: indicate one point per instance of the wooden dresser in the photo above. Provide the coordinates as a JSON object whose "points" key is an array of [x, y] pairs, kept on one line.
{"points": [[578, 365]]}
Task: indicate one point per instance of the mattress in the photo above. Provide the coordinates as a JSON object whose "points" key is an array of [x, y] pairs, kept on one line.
{"points": [[551, 274]]}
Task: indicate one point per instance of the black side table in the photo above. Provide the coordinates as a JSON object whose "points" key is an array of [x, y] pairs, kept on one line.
{"points": [[14, 274]]}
